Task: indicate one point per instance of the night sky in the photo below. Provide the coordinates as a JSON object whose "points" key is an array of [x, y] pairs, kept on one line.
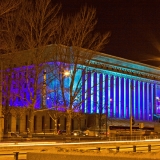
{"points": [[134, 26]]}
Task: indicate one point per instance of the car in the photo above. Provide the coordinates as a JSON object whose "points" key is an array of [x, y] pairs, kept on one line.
{"points": [[15, 135], [78, 133], [61, 132]]}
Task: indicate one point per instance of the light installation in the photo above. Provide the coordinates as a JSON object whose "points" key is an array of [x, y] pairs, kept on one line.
{"points": [[101, 91]]}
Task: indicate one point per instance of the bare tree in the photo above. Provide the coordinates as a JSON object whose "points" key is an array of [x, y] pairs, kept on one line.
{"points": [[9, 33], [7, 6], [42, 26], [78, 32], [40, 21], [7, 96]]}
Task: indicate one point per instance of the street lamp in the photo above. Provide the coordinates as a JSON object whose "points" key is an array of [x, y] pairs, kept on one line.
{"points": [[106, 121], [66, 73]]}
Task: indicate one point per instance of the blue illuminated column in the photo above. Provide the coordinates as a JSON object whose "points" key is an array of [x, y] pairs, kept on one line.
{"points": [[109, 93], [86, 83], [139, 103], [103, 94], [144, 102], [83, 91], [134, 97], [130, 99], [119, 97], [124, 97], [92, 92], [152, 101], [147, 101], [114, 96], [97, 109]]}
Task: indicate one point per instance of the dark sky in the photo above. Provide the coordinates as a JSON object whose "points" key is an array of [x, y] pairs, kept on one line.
{"points": [[134, 24]]}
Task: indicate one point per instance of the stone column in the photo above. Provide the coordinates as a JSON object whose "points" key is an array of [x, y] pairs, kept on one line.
{"points": [[152, 101], [103, 94], [130, 98], [120, 97], [114, 96], [139, 99], [86, 82], [109, 93], [124, 97], [134, 97], [98, 75], [92, 92], [147, 101], [13, 124], [144, 102]]}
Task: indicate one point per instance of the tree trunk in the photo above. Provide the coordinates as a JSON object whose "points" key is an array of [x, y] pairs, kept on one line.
{"points": [[31, 123], [55, 125], [68, 124]]}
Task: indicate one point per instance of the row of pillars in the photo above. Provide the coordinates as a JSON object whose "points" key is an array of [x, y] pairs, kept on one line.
{"points": [[115, 93]]}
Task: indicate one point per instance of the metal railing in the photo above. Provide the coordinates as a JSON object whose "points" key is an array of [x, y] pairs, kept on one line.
{"points": [[15, 154], [134, 148], [131, 138]]}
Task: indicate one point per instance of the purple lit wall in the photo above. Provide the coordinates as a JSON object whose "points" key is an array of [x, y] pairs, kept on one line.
{"points": [[100, 92]]}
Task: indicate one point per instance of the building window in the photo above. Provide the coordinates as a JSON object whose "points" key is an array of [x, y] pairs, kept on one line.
{"points": [[14, 86], [31, 84], [31, 74], [9, 77], [14, 76], [25, 96], [14, 97]]}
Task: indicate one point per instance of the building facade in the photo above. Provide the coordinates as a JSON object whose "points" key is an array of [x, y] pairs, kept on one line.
{"points": [[111, 85]]}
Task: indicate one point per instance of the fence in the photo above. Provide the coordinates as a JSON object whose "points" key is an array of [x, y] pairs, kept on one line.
{"points": [[15, 154], [134, 148], [131, 138]]}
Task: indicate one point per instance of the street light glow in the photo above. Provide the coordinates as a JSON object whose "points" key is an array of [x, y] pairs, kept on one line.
{"points": [[66, 73]]}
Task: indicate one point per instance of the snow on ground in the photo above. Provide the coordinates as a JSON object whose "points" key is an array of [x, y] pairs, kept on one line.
{"points": [[82, 154]]}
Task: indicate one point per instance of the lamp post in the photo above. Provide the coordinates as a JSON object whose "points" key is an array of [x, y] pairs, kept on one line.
{"points": [[106, 121]]}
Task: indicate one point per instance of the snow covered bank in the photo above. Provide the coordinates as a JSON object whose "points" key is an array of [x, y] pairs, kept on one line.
{"points": [[74, 154]]}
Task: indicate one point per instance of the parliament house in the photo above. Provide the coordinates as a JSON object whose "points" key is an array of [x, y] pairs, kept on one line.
{"points": [[103, 84]]}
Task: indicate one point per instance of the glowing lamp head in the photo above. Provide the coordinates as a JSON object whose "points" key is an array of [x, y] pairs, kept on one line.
{"points": [[66, 73]]}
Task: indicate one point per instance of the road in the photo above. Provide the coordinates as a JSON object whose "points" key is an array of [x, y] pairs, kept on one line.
{"points": [[125, 146]]}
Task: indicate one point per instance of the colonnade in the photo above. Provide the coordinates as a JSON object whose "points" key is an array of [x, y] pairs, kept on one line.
{"points": [[116, 96]]}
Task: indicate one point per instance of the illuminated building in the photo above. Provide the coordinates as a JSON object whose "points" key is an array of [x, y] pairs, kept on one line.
{"points": [[113, 84]]}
